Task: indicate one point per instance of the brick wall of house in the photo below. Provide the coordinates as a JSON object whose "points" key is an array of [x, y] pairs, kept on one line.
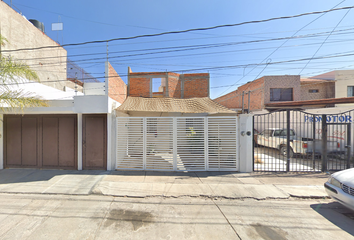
{"points": [[261, 88], [326, 89], [139, 87], [117, 89], [234, 99], [196, 85], [174, 86], [179, 86], [283, 81], [228, 100]]}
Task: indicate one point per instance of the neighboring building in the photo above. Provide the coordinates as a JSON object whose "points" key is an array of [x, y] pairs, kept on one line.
{"points": [[75, 132], [262, 91], [117, 89], [270, 90], [313, 89], [344, 83], [50, 64], [168, 84]]}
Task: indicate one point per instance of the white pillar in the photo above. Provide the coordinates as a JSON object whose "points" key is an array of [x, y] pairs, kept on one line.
{"points": [[206, 145], [109, 142], [174, 137], [79, 141], [245, 142]]}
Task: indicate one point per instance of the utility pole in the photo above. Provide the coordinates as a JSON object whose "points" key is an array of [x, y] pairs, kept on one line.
{"points": [[75, 83], [106, 74]]}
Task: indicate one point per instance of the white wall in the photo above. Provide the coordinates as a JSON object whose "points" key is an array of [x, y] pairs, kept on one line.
{"points": [[344, 78], [245, 142]]}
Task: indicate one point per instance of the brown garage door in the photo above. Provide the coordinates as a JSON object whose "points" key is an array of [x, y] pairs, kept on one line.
{"points": [[40, 141], [94, 141]]}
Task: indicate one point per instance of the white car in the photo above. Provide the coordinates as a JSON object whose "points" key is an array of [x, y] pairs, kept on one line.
{"points": [[340, 187]]}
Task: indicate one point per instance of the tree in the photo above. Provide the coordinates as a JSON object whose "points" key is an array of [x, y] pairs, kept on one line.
{"points": [[12, 74]]}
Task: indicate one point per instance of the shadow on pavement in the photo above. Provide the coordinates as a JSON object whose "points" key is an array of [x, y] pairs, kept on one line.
{"points": [[337, 214], [35, 175], [174, 174]]}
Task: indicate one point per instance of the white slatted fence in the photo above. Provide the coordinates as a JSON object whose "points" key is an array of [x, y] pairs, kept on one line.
{"points": [[177, 143]]}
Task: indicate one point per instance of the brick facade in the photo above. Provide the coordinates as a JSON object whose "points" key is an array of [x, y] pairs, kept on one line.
{"points": [[312, 89], [196, 85], [233, 100], [174, 87], [172, 84], [117, 89], [260, 92], [284, 81]]}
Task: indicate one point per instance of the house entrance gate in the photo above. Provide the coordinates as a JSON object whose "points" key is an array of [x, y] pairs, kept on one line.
{"points": [[177, 143], [294, 140]]}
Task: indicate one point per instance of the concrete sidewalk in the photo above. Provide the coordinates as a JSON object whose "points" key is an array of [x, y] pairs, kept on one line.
{"points": [[166, 184]]}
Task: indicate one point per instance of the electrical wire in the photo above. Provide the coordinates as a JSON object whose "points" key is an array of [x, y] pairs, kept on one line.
{"points": [[267, 57], [189, 47], [185, 31], [325, 41]]}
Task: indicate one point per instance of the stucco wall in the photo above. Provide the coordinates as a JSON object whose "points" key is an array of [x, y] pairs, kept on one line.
{"points": [[49, 64], [344, 79]]}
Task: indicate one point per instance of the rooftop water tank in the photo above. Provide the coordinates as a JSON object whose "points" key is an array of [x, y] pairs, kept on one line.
{"points": [[37, 24]]}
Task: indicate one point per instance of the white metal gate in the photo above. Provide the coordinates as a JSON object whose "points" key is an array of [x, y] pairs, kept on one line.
{"points": [[177, 143]]}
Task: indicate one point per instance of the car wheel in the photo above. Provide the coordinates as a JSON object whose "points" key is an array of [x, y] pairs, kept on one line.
{"points": [[283, 151]]}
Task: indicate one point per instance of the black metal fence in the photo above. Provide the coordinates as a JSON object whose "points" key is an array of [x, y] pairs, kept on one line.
{"points": [[294, 140]]}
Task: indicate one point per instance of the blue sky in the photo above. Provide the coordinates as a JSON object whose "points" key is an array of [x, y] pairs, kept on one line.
{"points": [[232, 55]]}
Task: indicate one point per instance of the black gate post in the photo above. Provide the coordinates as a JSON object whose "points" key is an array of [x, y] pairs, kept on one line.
{"points": [[313, 142], [288, 140], [253, 141], [349, 144], [324, 143]]}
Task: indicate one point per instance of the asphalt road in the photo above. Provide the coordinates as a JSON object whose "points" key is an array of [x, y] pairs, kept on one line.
{"points": [[38, 216]]}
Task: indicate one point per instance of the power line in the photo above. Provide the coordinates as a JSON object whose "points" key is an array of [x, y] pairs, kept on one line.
{"points": [[241, 66], [185, 31], [190, 47], [325, 40], [152, 53], [271, 63], [283, 44]]}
